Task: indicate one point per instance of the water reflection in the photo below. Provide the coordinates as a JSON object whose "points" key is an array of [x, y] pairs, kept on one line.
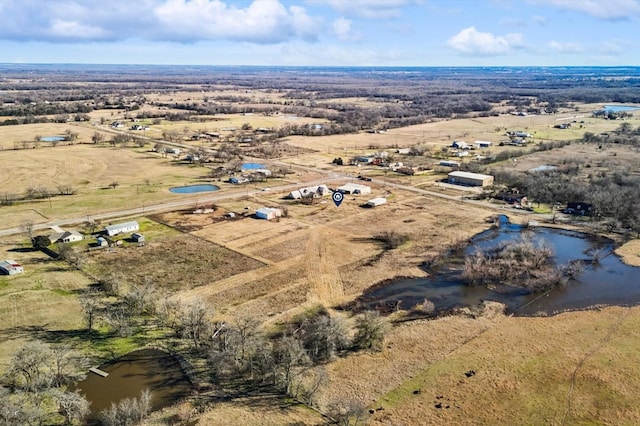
{"points": [[607, 281], [150, 369]]}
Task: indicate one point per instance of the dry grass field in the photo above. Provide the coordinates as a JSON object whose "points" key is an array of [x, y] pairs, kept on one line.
{"points": [[573, 368], [39, 301], [143, 178]]}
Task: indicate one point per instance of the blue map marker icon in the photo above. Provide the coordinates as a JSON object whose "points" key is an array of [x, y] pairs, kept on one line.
{"points": [[337, 198]]}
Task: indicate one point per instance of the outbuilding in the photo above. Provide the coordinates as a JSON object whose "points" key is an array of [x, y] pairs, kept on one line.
{"points": [[268, 213], [470, 179], [137, 237], [482, 144], [121, 228], [102, 242], [354, 188], [375, 202], [10, 267]]}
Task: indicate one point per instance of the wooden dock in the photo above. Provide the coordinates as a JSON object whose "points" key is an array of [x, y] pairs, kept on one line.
{"points": [[98, 372]]}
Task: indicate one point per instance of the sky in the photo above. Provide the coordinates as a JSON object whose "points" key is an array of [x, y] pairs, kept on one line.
{"points": [[322, 32]]}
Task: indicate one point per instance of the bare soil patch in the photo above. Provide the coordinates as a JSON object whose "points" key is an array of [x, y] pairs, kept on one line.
{"points": [[175, 263]]}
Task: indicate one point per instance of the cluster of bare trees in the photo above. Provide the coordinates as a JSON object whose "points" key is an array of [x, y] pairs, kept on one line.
{"points": [[522, 263], [291, 360], [615, 195], [624, 134], [35, 389], [128, 411], [35, 193]]}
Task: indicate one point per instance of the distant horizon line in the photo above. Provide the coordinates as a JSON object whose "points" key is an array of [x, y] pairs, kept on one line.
{"points": [[308, 66]]}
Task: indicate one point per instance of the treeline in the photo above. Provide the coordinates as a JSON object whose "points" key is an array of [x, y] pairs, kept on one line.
{"points": [[45, 109], [625, 134], [615, 196]]}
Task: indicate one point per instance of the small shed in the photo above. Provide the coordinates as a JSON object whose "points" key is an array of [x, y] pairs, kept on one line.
{"points": [[268, 213], [10, 267], [121, 228], [376, 202], [449, 163], [102, 242], [137, 237]]}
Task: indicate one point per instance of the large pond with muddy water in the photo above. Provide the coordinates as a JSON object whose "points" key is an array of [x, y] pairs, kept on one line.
{"points": [[602, 280]]}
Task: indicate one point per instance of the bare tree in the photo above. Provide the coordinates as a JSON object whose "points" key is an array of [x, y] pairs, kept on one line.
{"points": [[97, 138], [29, 369], [119, 318], [370, 331], [323, 336], [288, 356], [128, 411], [67, 365], [348, 412], [142, 297], [73, 406], [194, 322], [90, 303], [27, 228]]}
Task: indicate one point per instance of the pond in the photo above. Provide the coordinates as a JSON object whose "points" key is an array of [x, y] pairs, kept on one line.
{"points": [[253, 166], [52, 138], [607, 281], [192, 189], [620, 108], [129, 375]]}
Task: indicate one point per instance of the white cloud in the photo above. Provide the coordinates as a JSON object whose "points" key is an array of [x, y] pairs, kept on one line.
{"points": [[341, 29], [263, 21], [470, 41], [257, 21], [612, 47], [566, 47], [375, 9], [601, 9]]}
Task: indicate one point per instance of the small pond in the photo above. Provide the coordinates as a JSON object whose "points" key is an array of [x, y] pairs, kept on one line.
{"points": [[620, 108], [192, 189], [52, 138], [129, 375], [608, 281], [253, 166]]}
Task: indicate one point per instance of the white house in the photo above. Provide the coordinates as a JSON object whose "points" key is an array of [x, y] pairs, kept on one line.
{"points": [[121, 228], [10, 267], [268, 213], [318, 190], [354, 188], [66, 237]]}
